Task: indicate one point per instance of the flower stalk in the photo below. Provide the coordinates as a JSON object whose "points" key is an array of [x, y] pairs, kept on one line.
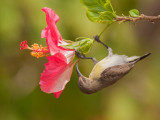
{"points": [[107, 26]]}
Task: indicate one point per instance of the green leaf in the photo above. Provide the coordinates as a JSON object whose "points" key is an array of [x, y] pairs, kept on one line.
{"points": [[100, 11], [134, 13], [83, 45]]}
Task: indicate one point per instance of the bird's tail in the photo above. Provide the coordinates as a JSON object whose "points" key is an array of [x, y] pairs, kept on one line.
{"points": [[136, 58], [144, 56]]}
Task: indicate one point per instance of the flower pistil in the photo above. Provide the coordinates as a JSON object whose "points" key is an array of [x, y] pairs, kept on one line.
{"points": [[37, 50]]}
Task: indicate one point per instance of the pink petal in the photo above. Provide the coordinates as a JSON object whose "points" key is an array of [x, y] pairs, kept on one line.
{"points": [[51, 19], [57, 94], [51, 33], [51, 16], [44, 33], [56, 75], [53, 37], [51, 43]]}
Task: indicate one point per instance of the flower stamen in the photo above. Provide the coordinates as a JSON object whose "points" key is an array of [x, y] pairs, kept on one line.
{"points": [[37, 50]]}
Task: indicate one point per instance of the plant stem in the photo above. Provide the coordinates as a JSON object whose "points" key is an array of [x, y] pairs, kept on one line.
{"points": [[135, 19], [104, 29]]}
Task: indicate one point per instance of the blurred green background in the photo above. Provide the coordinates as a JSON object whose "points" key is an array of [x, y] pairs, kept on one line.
{"points": [[135, 97]]}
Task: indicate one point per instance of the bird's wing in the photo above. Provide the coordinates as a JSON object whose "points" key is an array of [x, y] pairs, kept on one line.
{"points": [[112, 74]]}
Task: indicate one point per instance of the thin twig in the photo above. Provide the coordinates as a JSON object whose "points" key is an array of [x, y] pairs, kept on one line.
{"points": [[135, 19], [104, 29]]}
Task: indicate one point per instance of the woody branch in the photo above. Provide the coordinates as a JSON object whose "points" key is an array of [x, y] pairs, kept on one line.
{"points": [[138, 18]]}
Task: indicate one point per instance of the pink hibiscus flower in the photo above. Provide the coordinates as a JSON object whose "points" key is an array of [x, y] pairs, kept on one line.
{"points": [[58, 70]]}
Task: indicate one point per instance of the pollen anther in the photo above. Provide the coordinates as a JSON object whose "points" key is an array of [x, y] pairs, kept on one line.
{"points": [[37, 50]]}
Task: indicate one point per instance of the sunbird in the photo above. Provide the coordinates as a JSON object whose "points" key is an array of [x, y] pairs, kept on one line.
{"points": [[107, 71]]}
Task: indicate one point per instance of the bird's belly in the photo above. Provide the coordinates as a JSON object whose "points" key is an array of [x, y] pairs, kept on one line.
{"points": [[106, 63]]}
